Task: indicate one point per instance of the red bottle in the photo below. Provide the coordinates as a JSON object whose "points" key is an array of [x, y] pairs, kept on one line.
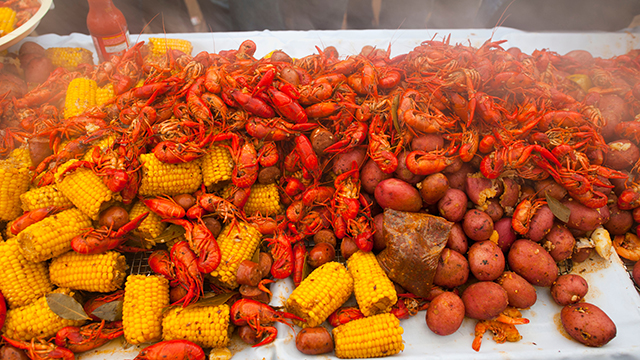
{"points": [[108, 28]]}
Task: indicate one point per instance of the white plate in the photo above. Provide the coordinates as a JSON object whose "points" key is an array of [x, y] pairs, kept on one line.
{"points": [[25, 29]]}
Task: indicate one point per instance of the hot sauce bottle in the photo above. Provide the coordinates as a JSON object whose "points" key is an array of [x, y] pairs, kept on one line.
{"points": [[108, 28]]}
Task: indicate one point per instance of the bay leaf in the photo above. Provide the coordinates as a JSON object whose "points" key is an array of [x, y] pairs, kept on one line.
{"points": [[171, 232], [558, 209], [215, 300], [256, 256], [111, 311], [66, 307], [306, 268]]}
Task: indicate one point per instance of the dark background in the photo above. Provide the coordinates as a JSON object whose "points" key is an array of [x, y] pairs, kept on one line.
{"points": [[175, 16]]}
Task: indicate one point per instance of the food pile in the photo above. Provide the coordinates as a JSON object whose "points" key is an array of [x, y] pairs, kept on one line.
{"points": [[450, 179], [14, 13]]}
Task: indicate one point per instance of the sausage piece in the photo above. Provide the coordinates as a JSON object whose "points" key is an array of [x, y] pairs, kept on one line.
{"points": [[248, 273]]}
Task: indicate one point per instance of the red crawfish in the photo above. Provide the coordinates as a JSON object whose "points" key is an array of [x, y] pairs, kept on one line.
{"points": [[426, 163], [172, 350], [523, 214], [187, 273], [286, 106], [202, 242], [32, 217], [88, 337], [257, 315], [283, 258], [165, 207], [379, 147], [41, 349], [275, 129], [513, 157], [345, 203], [160, 263], [344, 315], [502, 327], [354, 135], [97, 301], [299, 259], [98, 241]]}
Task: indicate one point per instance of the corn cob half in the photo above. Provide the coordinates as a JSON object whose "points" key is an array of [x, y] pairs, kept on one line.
{"points": [[44, 196], [7, 20], [207, 326], [159, 178], [144, 299], [374, 336], [52, 236], [217, 165], [160, 46], [86, 191], [36, 320], [237, 241], [21, 281], [81, 95], [151, 227], [320, 294], [14, 181], [374, 291], [68, 57], [263, 199], [99, 272]]}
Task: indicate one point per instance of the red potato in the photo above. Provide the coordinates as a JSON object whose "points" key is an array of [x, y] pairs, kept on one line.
{"points": [[510, 194], [493, 209], [581, 254], [583, 57], [379, 243], [605, 187], [588, 324], [484, 300], [520, 292], [248, 273], [114, 217], [8, 352], [398, 195], [531, 261], [348, 247], [569, 289], [479, 189], [455, 166], [433, 188], [614, 110], [445, 314], [269, 175], [39, 149], [506, 235], [321, 139], [486, 261], [185, 200], [477, 225], [427, 142], [249, 335], [584, 218], [37, 70], [30, 47], [403, 173], [457, 239], [540, 224], [344, 161], [12, 86], [635, 273], [622, 154], [458, 179], [559, 242], [452, 270], [314, 341], [371, 175], [620, 221], [453, 205], [549, 186], [326, 236], [213, 225]]}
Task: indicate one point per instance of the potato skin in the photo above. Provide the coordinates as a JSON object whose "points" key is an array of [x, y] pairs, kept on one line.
{"points": [[506, 235], [379, 242], [343, 161], [540, 224], [114, 217], [398, 195], [403, 173], [453, 205], [559, 242], [321, 139], [484, 300], [486, 260], [588, 324], [325, 236], [510, 194], [348, 247], [320, 254], [452, 270], [520, 292], [620, 221], [445, 314], [314, 341], [549, 186], [268, 175], [569, 289], [457, 239], [371, 175], [622, 154], [584, 218], [8, 352], [477, 225], [185, 200], [531, 261], [38, 69], [433, 188]]}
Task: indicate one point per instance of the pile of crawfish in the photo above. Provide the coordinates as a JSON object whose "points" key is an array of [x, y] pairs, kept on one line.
{"points": [[503, 113]]}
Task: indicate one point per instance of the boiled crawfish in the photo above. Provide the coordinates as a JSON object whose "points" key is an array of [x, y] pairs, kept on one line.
{"points": [[259, 316]]}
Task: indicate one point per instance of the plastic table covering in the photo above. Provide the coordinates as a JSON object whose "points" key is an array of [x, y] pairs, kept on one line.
{"points": [[610, 287]]}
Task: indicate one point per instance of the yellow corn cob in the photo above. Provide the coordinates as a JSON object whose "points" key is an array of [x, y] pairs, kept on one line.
{"points": [[152, 226], [52, 236], [99, 272], [81, 95], [374, 336], [237, 242], [374, 291], [144, 299], [7, 20], [104, 94], [263, 199], [159, 46], [217, 165], [320, 294], [21, 281], [86, 191], [36, 320], [159, 178], [103, 144], [7, 230], [14, 181], [207, 326], [41, 197], [68, 57]]}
